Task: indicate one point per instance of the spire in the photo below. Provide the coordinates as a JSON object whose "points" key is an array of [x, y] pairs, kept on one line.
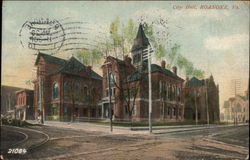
{"points": [[141, 41]]}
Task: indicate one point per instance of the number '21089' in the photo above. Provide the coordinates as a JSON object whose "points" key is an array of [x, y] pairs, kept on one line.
{"points": [[17, 151]]}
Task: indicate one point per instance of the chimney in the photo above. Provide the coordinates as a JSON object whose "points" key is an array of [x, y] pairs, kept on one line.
{"points": [[163, 64], [89, 68], [175, 70], [127, 59]]}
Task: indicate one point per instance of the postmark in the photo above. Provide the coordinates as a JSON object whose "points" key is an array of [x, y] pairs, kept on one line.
{"points": [[50, 36], [42, 35]]}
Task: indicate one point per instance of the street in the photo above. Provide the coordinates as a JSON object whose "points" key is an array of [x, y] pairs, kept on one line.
{"points": [[53, 142]]}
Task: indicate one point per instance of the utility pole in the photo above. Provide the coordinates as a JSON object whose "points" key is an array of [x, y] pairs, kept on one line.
{"points": [[109, 86], [207, 102], [110, 109], [147, 55], [41, 108], [196, 110]]}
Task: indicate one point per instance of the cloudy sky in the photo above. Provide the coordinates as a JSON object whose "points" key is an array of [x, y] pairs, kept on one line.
{"points": [[216, 41]]}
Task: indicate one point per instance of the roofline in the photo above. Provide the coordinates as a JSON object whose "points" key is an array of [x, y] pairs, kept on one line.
{"points": [[22, 90]]}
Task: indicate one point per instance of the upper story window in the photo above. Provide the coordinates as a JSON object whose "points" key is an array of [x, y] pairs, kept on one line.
{"points": [[85, 93], [55, 93], [136, 58], [112, 78]]}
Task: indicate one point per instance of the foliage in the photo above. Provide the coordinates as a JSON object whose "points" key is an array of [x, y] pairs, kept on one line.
{"points": [[173, 56], [89, 57], [122, 36]]}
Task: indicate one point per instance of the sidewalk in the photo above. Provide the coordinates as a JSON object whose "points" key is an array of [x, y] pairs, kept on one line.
{"points": [[91, 127], [127, 130]]}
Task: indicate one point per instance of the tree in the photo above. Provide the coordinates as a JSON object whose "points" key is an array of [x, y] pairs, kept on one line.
{"points": [[128, 88], [174, 57], [90, 57], [71, 91]]}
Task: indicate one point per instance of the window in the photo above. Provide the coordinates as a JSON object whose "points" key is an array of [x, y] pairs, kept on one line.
{"points": [[55, 109], [160, 86], [107, 92], [136, 58], [134, 110], [112, 78], [85, 112], [55, 90], [113, 91], [85, 93], [174, 111], [169, 111], [65, 110], [93, 113], [66, 89]]}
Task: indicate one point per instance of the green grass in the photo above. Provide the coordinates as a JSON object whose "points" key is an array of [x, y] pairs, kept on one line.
{"points": [[16, 122], [145, 124]]}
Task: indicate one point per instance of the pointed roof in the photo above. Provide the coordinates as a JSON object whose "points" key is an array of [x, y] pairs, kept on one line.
{"points": [[50, 59], [154, 68], [141, 40], [73, 65], [195, 82], [67, 66]]}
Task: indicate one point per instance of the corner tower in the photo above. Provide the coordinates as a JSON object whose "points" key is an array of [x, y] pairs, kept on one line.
{"points": [[140, 43]]}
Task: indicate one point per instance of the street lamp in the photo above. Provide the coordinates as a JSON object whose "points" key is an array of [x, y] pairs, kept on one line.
{"points": [[146, 55]]}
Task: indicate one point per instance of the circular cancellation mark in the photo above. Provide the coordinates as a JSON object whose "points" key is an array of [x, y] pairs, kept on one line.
{"points": [[42, 35]]}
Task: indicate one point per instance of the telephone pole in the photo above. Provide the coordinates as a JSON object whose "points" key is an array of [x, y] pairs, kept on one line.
{"points": [[109, 93], [207, 102], [196, 110], [147, 56]]}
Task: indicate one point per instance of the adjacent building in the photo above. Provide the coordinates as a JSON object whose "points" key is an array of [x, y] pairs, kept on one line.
{"points": [[129, 87], [8, 100], [66, 89], [236, 109], [24, 104], [201, 96]]}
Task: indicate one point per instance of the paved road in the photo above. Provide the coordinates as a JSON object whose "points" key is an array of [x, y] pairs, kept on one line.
{"points": [[80, 143]]}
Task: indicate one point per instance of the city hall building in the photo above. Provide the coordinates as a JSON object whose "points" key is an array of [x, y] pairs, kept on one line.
{"points": [[66, 89], [130, 89]]}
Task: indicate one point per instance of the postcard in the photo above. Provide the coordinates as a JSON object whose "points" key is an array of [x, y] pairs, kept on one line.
{"points": [[125, 80]]}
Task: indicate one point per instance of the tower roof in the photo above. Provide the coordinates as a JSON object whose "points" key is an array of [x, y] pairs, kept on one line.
{"points": [[141, 40]]}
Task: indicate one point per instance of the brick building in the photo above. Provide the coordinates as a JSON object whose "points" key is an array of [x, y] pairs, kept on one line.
{"points": [[195, 96], [8, 98], [24, 104], [129, 87], [236, 109], [67, 89]]}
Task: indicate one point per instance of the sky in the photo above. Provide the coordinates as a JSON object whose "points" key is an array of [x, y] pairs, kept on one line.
{"points": [[215, 40]]}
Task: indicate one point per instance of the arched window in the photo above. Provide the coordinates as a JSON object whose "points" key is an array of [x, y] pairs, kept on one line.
{"points": [[85, 93], [55, 90], [112, 78]]}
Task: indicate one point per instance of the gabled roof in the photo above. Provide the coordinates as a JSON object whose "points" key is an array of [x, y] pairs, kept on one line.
{"points": [[141, 40], [50, 59], [194, 82], [117, 60], [73, 65], [154, 68], [67, 66]]}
